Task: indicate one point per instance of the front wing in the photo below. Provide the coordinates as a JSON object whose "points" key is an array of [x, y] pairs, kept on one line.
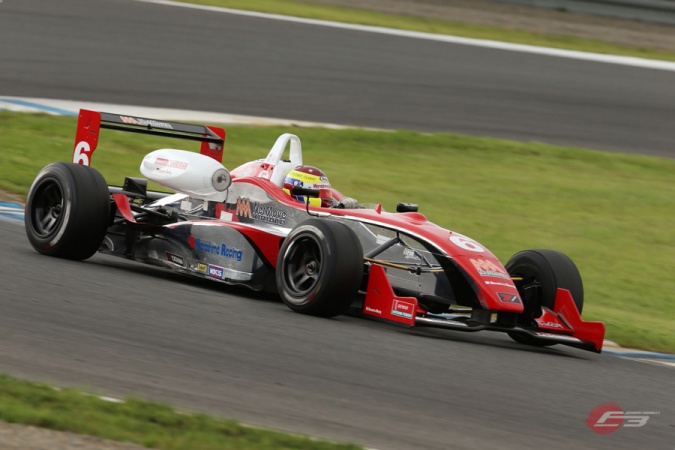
{"points": [[562, 325]]}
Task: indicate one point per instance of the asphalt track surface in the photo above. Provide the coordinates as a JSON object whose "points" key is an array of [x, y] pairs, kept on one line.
{"points": [[125, 52], [120, 328]]}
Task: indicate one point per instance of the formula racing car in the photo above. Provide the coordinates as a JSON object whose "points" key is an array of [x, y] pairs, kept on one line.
{"points": [[241, 227]]}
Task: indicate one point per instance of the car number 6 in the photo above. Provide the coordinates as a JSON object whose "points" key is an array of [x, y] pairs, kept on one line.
{"points": [[80, 155], [466, 243]]}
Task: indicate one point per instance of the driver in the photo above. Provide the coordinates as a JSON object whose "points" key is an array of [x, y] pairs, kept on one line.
{"points": [[311, 177]]}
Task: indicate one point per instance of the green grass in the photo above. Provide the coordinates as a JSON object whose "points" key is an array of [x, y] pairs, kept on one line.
{"points": [[364, 17], [148, 424], [613, 214]]}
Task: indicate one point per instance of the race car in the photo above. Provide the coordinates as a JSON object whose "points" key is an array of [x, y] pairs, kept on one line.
{"points": [[241, 227]]}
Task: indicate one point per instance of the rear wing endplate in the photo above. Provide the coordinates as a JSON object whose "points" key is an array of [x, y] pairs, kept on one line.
{"points": [[89, 124]]}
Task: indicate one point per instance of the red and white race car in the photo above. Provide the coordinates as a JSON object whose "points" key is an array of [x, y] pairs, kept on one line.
{"points": [[241, 227]]}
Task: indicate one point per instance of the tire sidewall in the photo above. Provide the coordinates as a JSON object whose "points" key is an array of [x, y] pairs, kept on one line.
{"points": [[340, 274], [553, 269], [55, 173], [325, 243], [84, 216]]}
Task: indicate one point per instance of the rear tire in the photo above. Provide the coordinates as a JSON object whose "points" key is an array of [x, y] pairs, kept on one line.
{"points": [[543, 272], [67, 211], [320, 267]]}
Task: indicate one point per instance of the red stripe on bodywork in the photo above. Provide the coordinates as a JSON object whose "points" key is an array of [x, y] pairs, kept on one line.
{"points": [[268, 244]]}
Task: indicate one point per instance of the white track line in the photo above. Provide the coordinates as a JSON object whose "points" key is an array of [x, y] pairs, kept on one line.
{"points": [[573, 54]]}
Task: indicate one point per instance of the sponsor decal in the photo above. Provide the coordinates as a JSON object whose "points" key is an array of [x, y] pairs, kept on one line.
{"points": [[373, 310], [243, 208], [229, 252], [206, 246], [215, 249], [547, 335], [171, 163], [402, 309], [216, 272], [499, 283], [257, 211], [487, 268], [201, 267], [409, 253], [550, 324], [609, 417], [508, 298], [175, 259], [145, 122], [309, 178]]}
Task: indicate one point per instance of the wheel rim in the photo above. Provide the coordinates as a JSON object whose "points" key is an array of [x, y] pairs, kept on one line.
{"points": [[531, 291], [303, 266], [47, 208], [530, 286]]}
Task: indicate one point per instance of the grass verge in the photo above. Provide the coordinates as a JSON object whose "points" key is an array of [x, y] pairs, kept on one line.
{"points": [[136, 421], [365, 17], [611, 213]]}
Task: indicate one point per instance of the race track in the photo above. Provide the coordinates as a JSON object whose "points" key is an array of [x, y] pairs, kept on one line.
{"points": [[119, 328], [122, 328], [126, 52]]}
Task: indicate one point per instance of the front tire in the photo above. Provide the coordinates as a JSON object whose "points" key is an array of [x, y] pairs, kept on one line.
{"points": [[67, 211], [320, 267], [542, 273]]}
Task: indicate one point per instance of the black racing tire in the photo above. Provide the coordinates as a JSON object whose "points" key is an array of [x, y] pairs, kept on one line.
{"points": [[67, 211], [320, 267], [542, 272]]}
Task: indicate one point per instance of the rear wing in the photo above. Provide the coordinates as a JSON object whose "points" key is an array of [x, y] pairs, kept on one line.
{"points": [[89, 124]]}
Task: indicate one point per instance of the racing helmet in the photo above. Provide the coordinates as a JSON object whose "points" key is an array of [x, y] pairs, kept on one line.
{"points": [[313, 178]]}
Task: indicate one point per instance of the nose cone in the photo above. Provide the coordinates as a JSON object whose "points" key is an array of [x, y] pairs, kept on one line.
{"points": [[491, 282]]}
